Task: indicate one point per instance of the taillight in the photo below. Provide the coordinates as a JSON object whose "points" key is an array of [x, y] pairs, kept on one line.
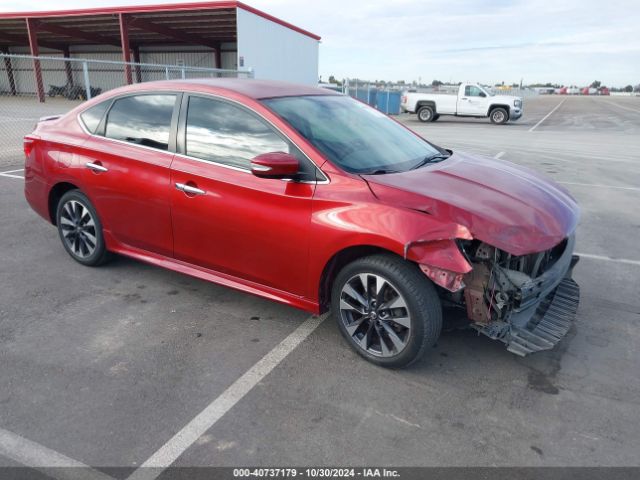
{"points": [[28, 145], [404, 99]]}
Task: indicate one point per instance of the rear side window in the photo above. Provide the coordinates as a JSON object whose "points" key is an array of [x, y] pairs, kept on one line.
{"points": [[142, 120], [92, 116]]}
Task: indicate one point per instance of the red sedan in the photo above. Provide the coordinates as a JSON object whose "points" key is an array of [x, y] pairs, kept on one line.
{"points": [[313, 199]]}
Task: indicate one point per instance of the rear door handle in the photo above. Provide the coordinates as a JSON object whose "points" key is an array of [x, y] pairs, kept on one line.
{"points": [[96, 167], [183, 187]]}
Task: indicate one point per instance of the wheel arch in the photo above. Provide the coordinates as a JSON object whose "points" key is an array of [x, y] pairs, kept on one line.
{"points": [[55, 194], [499, 105], [426, 103], [336, 263]]}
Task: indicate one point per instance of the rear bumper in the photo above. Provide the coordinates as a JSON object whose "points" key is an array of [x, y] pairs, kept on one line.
{"points": [[36, 192]]}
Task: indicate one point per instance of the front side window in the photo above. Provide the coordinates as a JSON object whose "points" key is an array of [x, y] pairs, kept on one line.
{"points": [[142, 120], [91, 117], [472, 91], [352, 135], [224, 133]]}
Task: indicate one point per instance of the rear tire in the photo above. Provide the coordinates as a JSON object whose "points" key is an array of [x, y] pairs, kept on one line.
{"points": [[80, 229], [425, 114], [394, 318], [499, 116]]}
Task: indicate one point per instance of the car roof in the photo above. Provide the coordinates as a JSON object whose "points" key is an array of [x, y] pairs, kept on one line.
{"points": [[256, 89]]}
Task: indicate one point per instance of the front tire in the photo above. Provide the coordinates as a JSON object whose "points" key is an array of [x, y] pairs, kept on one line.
{"points": [[80, 229], [387, 310], [425, 114], [499, 116]]}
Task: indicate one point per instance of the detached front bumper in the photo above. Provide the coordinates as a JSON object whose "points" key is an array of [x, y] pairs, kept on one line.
{"points": [[550, 323], [546, 308]]}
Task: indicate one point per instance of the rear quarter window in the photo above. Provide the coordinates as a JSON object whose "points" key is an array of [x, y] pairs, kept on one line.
{"points": [[92, 116]]}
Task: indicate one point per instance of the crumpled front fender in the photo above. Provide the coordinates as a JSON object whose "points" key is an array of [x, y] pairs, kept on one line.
{"points": [[441, 261]]}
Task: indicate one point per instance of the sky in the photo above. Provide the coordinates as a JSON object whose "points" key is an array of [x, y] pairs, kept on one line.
{"points": [[570, 42]]}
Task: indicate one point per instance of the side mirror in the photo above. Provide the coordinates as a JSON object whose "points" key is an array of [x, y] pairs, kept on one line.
{"points": [[482, 94], [275, 165]]}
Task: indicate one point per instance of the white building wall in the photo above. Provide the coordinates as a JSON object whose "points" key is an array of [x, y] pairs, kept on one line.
{"points": [[276, 52]]}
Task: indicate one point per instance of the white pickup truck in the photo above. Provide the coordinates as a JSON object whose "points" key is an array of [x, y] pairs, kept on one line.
{"points": [[472, 100]]}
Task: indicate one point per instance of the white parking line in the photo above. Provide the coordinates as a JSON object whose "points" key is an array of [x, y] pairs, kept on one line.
{"points": [[181, 441], [635, 189], [499, 155], [10, 173], [50, 462], [622, 106], [610, 259], [547, 115]]}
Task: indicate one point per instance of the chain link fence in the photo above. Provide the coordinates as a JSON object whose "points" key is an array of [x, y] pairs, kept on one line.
{"points": [[65, 83], [384, 96]]}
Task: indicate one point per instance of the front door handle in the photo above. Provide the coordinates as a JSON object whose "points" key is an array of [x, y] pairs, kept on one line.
{"points": [[183, 187], [96, 167]]}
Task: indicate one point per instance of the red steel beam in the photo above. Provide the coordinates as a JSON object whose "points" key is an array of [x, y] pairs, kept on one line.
{"points": [[67, 66], [218, 55], [143, 24], [9, 68], [33, 45], [136, 59], [126, 49], [75, 33], [19, 40]]}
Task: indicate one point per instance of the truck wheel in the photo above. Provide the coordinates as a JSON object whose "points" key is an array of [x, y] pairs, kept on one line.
{"points": [[425, 114], [387, 310], [436, 117], [499, 116]]}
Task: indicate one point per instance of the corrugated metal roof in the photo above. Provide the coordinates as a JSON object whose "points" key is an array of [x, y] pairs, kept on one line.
{"points": [[202, 23]]}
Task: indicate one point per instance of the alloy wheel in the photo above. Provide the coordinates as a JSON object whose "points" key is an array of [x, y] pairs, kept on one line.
{"points": [[375, 315], [78, 229]]}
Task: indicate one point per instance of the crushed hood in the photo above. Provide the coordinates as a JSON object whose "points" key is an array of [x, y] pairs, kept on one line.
{"points": [[503, 204]]}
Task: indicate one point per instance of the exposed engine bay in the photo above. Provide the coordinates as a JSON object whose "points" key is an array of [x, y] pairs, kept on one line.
{"points": [[526, 301]]}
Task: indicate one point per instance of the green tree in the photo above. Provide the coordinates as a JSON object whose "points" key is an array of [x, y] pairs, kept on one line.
{"points": [[628, 88], [595, 84], [436, 83]]}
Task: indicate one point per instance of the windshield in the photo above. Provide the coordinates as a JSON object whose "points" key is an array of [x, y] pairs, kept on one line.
{"points": [[352, 135]]}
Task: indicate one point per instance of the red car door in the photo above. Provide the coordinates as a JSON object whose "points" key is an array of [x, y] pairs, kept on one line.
{"points": [[128, 170], [228, 220]]}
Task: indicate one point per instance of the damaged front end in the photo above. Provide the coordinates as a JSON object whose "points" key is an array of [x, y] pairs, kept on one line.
{"points": [[528, 302]]}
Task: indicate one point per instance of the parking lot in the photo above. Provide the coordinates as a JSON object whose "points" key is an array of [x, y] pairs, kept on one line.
{"points": [[129, 365]]}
